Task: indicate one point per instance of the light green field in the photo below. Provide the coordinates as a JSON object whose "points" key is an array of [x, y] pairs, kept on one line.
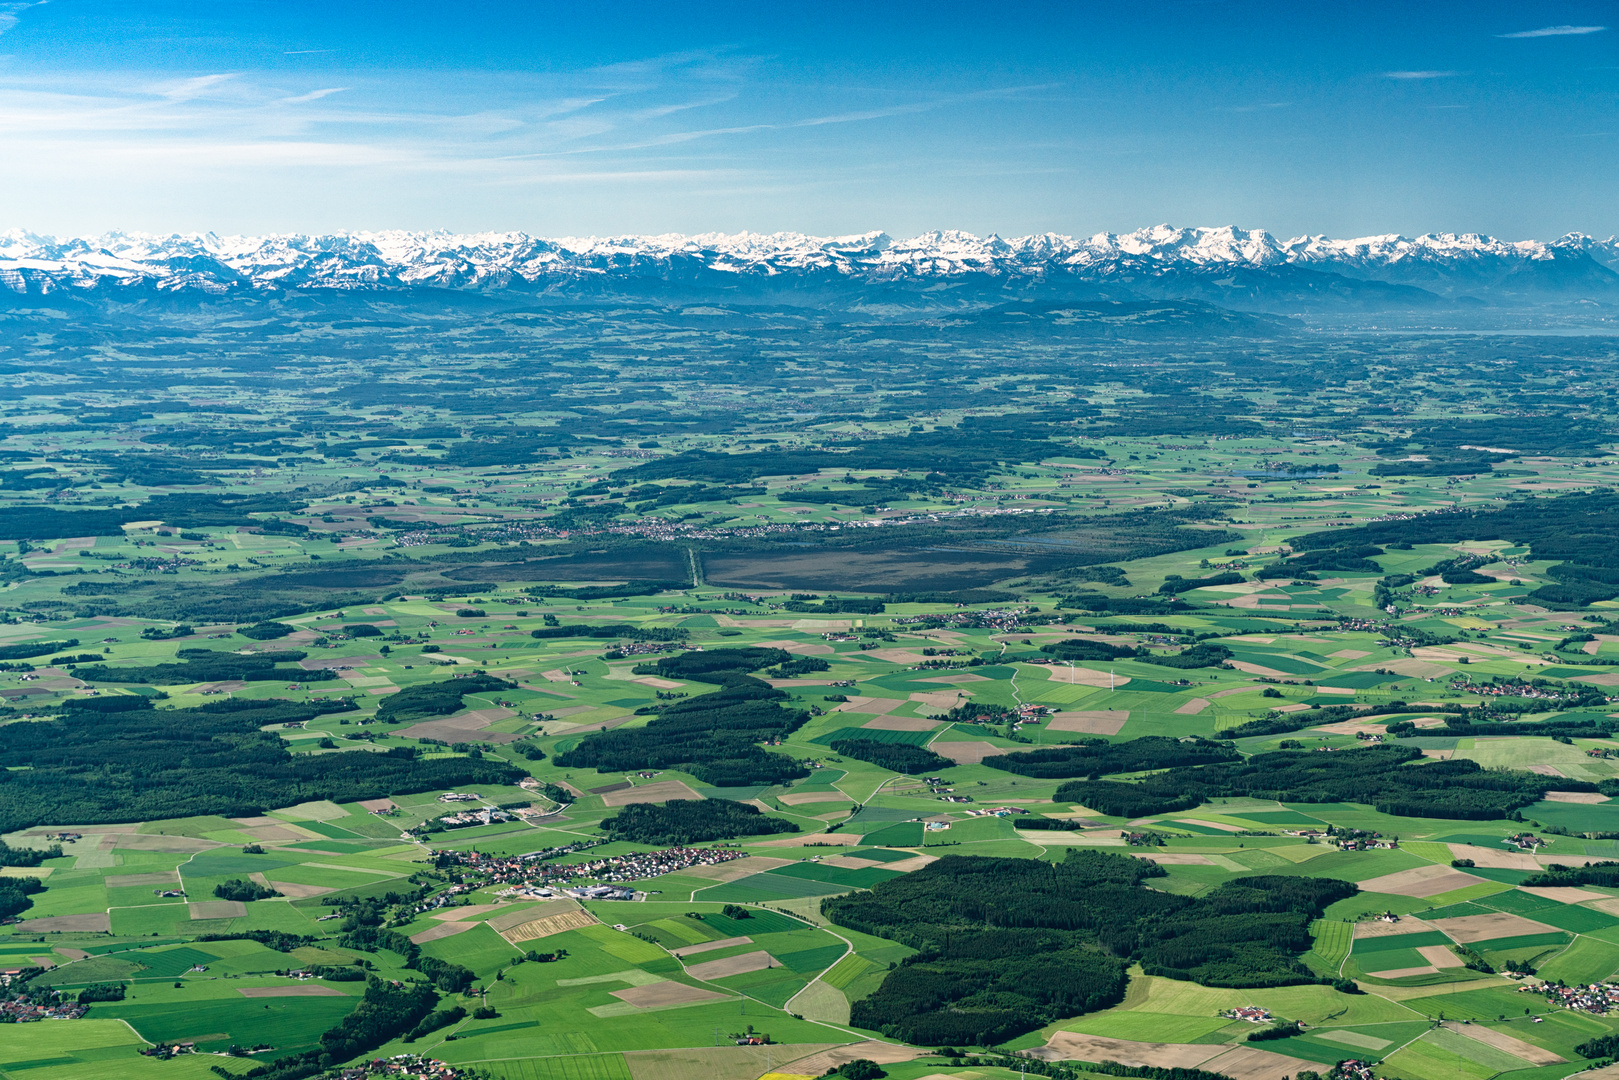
{"points": [[1427, 1060], [1147, 1026], [88, 1049], [1585, 960], [821, 1001], [573, 1067], [1332, 941]]}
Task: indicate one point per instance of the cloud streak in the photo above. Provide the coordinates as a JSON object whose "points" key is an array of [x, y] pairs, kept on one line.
{"points": [[1555, 31], [313, 95], [11, 13], [191, 89], [1418, 75]]}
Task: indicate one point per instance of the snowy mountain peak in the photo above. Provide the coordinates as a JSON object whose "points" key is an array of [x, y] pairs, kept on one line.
{"points": [[1443, 264]]}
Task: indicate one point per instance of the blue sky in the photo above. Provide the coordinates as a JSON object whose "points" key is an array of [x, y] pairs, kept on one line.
{"points": [[826, 117]]}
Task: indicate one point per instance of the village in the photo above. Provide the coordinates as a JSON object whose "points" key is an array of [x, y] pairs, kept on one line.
{"points": [[50, 1005], [403, 1065], [1598, 998], [532, 876]]}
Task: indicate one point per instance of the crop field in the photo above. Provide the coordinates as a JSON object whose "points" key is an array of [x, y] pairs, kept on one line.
{"points": [[92, 1048], [362, 657]]}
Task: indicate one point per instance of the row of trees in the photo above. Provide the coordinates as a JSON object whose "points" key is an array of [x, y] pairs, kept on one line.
{"points": [[1394, 779], [1098, 757], [209, 665]]}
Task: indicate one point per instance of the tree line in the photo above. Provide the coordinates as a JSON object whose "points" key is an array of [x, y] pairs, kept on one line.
{"points": [[209, 665], [1098, 757], [1393, 779]]}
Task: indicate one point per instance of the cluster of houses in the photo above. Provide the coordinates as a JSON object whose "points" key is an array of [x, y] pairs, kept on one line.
{"points": [[402, 1065], [993, 811], [533, 876], [1599, 998], [484, 815], [990, 619], [23, 1010], [1524, 841], [432, 903], [592, 892], [1352, 1069], [644, 648], [1347, 839], [1251, 1013], [1505, 689], [165, 1051], [1363, 625]]}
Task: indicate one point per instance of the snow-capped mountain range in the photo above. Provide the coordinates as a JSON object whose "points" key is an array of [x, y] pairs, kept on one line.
{"points": [[1237, 267]]}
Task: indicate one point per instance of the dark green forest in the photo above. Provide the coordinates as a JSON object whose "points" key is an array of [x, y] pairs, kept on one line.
{"points": [[715, 736], [1098, 757], [209, 665], [16, 893], [1394, 779], [424, 701], [691, 821], [1580, 530], [898, 757], [1005, 946], [119, 759]]}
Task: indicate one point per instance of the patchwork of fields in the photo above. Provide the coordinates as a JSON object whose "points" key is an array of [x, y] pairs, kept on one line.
{"points": [[415, 606]]}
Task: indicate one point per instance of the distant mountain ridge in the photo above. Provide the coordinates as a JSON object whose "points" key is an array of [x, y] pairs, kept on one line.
{"points": [[1238, 268]]}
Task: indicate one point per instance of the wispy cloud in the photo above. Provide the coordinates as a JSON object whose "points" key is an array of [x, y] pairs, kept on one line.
{"points": [[1418, 74], [313, 95], [11, 12], [1555, 31], [191, 89], [882, 112]]}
